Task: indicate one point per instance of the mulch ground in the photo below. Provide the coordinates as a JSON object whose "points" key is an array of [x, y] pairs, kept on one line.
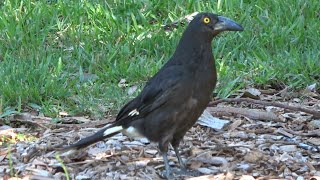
{"points": [[249, 147]]}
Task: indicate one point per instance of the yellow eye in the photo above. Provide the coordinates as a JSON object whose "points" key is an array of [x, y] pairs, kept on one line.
{"points": [[206, 20]]}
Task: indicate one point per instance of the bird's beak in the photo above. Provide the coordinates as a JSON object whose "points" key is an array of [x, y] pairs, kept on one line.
{"points": [[226, 24]]}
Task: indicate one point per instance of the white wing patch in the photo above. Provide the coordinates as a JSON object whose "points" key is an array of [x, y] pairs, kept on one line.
{"points": [[133, 112], [112, 130], [132, 132]]}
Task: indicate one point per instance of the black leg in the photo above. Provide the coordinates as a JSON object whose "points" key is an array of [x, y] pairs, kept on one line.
{"points": [[175, 144], [183, 169], [182, 165], [163, 150], [167, 166]]}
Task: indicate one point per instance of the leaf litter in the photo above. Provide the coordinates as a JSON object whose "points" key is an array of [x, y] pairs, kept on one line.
{"points": [[246, 141]]}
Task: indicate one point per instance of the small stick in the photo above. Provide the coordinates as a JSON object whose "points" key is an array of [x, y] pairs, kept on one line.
{"points": [[266, 103]]}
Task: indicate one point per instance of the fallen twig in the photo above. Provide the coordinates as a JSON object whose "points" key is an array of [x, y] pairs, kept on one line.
{"points": [[42, 122], [31, 122], [308, 134], [250, 113], [85, 125], [266, 103], [37, 149]]}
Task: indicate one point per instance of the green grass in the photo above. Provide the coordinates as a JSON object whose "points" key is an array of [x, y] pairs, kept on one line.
{"points": [[64, 55]]}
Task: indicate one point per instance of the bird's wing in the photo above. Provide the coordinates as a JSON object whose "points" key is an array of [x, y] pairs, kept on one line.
{"points": [[154, 95], [160, 89]]}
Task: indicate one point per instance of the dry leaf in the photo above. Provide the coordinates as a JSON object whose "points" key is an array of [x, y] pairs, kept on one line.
{"points": [[234, 125], [251, 93], [122, 83], [63, 113], [253, 156], [209, 177], [206, 119], [247, 177], [315, 141], [151, 151], [195, 164], [312, 87], [132, 89], [288, 148], [206, 170], [81, 119]]}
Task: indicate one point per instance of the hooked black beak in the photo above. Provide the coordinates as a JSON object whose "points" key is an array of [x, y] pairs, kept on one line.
{"points": [[226, 24]]}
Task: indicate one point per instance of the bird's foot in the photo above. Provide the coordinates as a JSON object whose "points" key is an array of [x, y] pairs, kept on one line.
{"points": [[166, 175]]}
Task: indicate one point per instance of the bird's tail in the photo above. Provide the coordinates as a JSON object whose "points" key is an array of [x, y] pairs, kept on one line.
{"points": [[98, 136]]}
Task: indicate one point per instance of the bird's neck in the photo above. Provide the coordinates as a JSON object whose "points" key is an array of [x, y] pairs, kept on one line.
{"points": [[191, 42], [195, 52], [194, 49]]}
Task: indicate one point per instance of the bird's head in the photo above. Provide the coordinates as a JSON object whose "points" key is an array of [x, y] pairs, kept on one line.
{"points": [[209, 25]]}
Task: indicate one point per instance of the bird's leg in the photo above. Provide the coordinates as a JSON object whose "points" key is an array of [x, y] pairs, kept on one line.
{"points": [[175, 144], [184, 171], [182, 165], [166, 164], [163, 150]]}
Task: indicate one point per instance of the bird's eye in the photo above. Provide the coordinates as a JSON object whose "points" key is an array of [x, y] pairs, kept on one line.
{"points": [[206, 20]]}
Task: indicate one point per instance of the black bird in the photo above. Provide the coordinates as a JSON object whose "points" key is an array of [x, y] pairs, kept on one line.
{"points": [[175, 97]]}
